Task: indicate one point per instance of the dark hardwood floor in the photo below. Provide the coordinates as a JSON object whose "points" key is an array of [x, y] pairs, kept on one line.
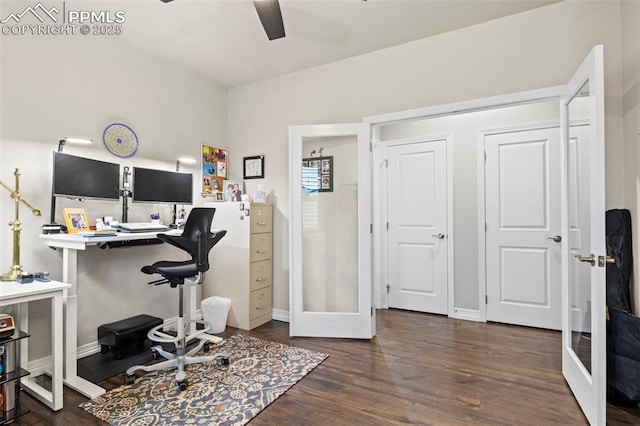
{"points": [[420, 369]]}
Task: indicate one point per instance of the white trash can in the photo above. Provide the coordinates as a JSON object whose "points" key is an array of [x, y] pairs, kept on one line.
{"points": [[215, 310]]}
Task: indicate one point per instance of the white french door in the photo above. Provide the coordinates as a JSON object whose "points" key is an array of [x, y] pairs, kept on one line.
{"points": [[584, 254], [330, 293]]}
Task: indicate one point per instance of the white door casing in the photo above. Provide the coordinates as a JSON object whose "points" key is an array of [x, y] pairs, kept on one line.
{"points": [[583, 280], [314, 321], [417, 249], [523, 242]]}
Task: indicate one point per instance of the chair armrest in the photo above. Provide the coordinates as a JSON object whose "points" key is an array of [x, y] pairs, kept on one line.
{"points": [[178, 241], [217, 235]]}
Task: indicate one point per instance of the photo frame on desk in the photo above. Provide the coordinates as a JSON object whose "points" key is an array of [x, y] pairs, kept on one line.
{"points": [[76, 220]]}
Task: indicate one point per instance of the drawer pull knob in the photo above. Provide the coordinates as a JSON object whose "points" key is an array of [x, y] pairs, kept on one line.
{"points": [[261, 251], [259, 308], [261, 223], [261, 296], [260, 279]]}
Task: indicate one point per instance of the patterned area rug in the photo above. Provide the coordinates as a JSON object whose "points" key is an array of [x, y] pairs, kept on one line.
{"points": [[259, 372]]}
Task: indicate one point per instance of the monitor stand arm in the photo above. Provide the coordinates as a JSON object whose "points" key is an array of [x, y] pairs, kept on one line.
{"points": [[126, 193]]}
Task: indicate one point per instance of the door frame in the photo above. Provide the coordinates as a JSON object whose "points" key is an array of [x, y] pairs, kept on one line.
{"points": [[376, 123], [379, 191], [482, 208]]}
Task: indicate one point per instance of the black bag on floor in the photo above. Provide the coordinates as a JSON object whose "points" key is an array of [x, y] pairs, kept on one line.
{"points": [[623, 328]]}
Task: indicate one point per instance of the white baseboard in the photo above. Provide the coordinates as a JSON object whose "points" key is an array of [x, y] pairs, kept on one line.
{"points": [[280, 315], [466, 314], [40, 366]]}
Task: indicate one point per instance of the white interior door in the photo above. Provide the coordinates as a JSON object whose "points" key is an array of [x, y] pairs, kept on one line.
{"points": [[417, 226], [330, 292], [523, 241], [584, 331]]}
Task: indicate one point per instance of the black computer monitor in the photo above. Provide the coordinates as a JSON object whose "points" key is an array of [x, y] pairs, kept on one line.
{"points": [[79, 177], [161, 186]]}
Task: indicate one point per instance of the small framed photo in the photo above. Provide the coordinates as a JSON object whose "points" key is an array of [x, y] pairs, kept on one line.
{"points": [[233, 190], [253, 167], [76, 220]]}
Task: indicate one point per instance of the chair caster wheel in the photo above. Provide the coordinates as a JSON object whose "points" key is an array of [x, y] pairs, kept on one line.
{"points": [[206, 347], [224, 360], [154, 354], [183, 386], [131, 378]]}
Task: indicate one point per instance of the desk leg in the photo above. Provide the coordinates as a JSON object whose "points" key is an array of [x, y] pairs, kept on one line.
{"points": [[71, 379], [52, 399], [56, 351]]}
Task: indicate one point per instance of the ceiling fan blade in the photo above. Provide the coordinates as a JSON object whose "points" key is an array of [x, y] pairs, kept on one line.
{"points": [[271, 18]]}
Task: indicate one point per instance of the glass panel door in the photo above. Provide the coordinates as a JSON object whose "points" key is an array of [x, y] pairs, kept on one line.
{"points": [[330, 240], [584, 330]]}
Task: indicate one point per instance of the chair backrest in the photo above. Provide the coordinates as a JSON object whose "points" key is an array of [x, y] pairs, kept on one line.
{"points": [[198, 227], [198, 222]]}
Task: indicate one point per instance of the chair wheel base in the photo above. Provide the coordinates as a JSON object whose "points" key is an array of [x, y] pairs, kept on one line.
{"points": [[131, 378], [223, 361], [183, 385]]}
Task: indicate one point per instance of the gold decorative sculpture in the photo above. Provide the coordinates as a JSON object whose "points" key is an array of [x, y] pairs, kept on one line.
{"points": [[16, 269]]}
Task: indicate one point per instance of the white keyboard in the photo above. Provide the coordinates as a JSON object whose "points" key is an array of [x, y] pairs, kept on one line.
{"points": [[141, 227]]}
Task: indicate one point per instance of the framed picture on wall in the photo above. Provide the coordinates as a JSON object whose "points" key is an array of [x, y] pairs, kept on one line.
{"points": [[322, 167], [253, 167]]}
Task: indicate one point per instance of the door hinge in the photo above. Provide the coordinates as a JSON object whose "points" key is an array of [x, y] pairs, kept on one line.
{"points": [[388, 287], [371, 228], [486, 227], [486, 299], [485, 156], [387, 226], [370, 147], [372, 311]]}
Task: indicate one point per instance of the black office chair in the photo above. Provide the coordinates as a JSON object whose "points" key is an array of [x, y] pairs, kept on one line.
{"points": [[197, 239]]}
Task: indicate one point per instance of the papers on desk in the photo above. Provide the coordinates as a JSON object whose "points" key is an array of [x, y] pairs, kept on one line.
{"points": [[104, 233]]}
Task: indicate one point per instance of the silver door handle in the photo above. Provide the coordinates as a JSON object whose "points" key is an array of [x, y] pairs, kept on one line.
{"points": [[556, 238], [441, 236], [591, 258]]}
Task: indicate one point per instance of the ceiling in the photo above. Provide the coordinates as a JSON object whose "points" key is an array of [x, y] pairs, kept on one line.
{"points": [[224, 39]]}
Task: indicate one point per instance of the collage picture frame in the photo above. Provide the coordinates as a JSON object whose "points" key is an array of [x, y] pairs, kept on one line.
{"points": [[318, 174]]}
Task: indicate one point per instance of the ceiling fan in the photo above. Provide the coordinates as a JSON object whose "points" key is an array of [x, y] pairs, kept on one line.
{"points": [[270, 16]]}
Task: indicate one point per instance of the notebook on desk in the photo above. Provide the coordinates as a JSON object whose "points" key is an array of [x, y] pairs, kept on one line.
{"points": [[141, 227]]}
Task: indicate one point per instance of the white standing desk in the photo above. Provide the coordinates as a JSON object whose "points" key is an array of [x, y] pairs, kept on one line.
{"points": [[13, 293], [70, 244]]}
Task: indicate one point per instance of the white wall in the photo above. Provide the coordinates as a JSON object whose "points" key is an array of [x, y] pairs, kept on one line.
{"points": [[631, 102], [52, 87], [536, 49]]}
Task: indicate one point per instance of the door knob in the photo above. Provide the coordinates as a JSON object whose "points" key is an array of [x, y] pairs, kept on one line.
{"points": [[591, 258], [556, 238], [441, 236]]}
